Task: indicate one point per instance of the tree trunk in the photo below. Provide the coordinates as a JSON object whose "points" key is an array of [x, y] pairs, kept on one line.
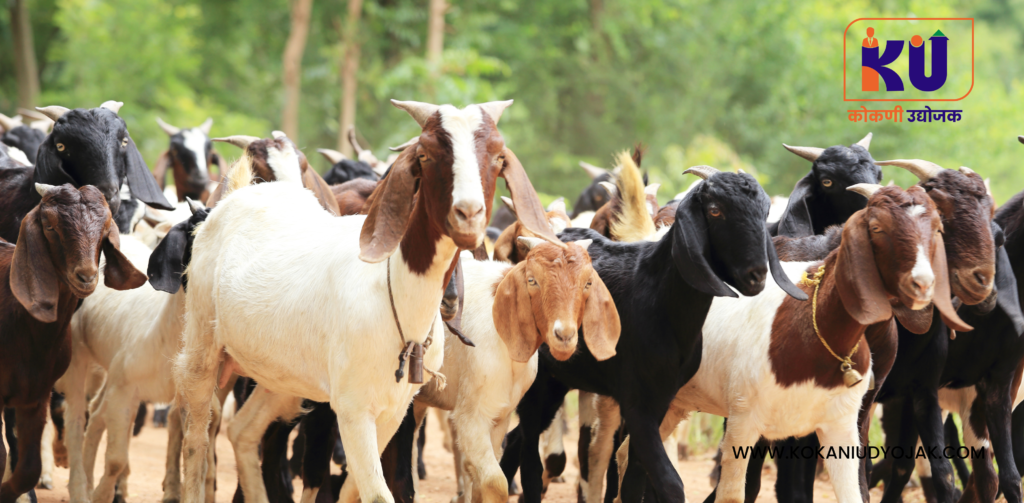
{"points": [[25, 70], [292, 62], [435, 32], [349, 71]]}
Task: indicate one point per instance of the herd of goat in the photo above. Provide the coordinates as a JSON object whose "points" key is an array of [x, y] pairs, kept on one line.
{"points": [[346, 305]]}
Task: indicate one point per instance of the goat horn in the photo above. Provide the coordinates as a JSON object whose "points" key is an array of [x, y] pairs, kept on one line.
{"points": [[332, 156], [54, 112], [206, 126], [652, 189], [810, 153], [193, 206], [584, 243], [967, 171], [43, 124], [352, 140], [865, 189], [740, 171], [113, 106], [592, 170], [924, 170], [610, 187], [43, 188], [169, 129], [9, 123], [508, 202], [31, 114], [240, 140], [418, 110], [278, 135], [988, 186], [530, 242], [1020, 139], [702, 171], [412, 141], [892, 183], [494, 109], [866, 142], [557, 205]]}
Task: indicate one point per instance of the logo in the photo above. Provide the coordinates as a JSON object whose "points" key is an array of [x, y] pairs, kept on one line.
{"points": [[908, 59]]}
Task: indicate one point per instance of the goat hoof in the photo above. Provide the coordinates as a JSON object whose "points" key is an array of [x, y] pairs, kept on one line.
{"points": [[555, 465], [45, 482], [118, 498]]}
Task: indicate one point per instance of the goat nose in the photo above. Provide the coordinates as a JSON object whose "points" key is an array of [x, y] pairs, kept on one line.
{"points": [[980, 277], [564, 334], [466, 211], [85, 276], [755, 275]]}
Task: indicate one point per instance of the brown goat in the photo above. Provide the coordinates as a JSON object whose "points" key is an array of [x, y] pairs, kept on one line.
{"points": [[353, 194], [54, 263], [508, 248]]}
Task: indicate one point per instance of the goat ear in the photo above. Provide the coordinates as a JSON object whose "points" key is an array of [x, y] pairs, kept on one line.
{"points": [[34, 280], [49, 168], [918, 322], [601, 325], [690, 248], [1006, 284], [119, 273], [796, 219], [942, 295], [857, 278], [388, 216], [141, 181], [160, 169], [528, 207], [166, 262], [312, 181], [780, 276], [513, 315], [505, 246]]}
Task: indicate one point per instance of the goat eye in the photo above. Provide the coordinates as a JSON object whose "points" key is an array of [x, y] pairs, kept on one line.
{"points": [[60, 147], [876, 228], [587, 287], [826, 182], [715, 212], [124, 142], [531, 281]]}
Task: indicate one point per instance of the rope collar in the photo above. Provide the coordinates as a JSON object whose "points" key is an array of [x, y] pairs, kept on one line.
{"points": [[412, 350], [850, 376]]}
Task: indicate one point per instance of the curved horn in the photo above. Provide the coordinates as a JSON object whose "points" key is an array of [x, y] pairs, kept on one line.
{"points": [[206, 126], [866, 142], [353, 141], [495, 109], [924, 170], [418, 110], [809, 153], [592, 170], [193, 206], [702, 171], [54, 112], [583, 243], [30, 114], [988, 186], [412, 141], [967, 171], [241, 141], [865, 189], [9, 123], [557, 205], [169, 129], [508, 202], [530, 242], [278, 135], [43, 124], [332, 156], [113, 106], [610, 187], [652, 189], [43, 188]]}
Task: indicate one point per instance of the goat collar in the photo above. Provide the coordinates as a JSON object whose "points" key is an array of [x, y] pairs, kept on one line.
{"points": [[413, 350], [850, 376]]}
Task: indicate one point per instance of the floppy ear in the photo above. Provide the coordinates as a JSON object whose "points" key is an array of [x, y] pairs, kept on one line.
{"points": [[389, 212], [601, 325], [690, 247], [781, 278], [34, 280], [1006, 283], [166, 262], [312, 181], [529, 210], [119, 272], [49, 168], [918, 322], [141, 181], [160, 168], [857, 279], [513, 315], [796, 219], [505, 246], [942, 295]]}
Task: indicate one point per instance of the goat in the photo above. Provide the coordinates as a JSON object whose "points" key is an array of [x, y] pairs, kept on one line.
{"points": [[820, 198], [509, 248], [190, 156], [25, 138], [86, 147], [594, 195], [459, 151], [52, 265], [352, 195], [344, 169], [662, 291]]}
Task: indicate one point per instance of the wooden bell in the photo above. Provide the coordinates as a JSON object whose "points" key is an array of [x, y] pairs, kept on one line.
{"points": [[416, 364], [850, 376]]}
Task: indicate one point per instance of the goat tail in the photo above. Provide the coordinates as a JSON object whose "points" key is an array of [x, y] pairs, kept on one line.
{"points": [[241, 174], [633, 221]]}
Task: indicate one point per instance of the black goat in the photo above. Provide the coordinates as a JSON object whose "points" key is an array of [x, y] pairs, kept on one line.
{"points": [[86, 147], [190, 156], [663, 291], [24, 137], [820, 199], [344, 169]]}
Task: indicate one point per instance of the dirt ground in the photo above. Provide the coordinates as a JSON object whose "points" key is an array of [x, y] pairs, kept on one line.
{"points": [[148, 450]]}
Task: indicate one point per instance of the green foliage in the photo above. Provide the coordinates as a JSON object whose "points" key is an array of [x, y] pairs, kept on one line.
{"points": [[698, 81]]}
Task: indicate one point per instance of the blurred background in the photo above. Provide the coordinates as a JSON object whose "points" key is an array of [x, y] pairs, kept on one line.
{"points": [[698, 81]]}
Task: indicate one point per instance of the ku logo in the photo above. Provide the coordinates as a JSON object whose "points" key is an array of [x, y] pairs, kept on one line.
{"points": [[875, 62]]}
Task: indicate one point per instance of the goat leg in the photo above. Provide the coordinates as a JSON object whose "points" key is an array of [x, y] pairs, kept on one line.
{"points": [[30, 422], [998, 402]]}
